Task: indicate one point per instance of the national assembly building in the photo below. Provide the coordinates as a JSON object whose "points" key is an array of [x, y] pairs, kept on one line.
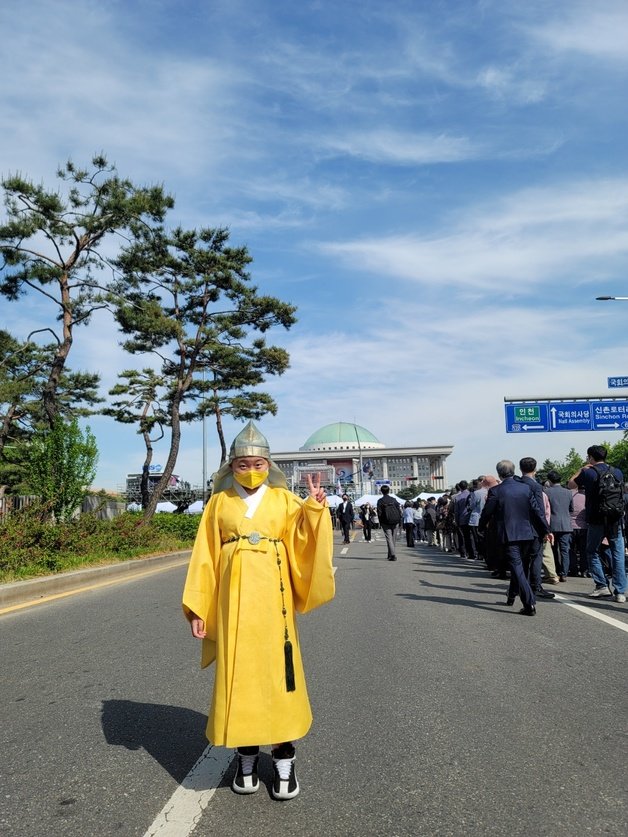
{"points": [[350, 457]]}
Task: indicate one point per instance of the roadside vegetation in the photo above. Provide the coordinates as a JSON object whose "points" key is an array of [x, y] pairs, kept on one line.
{"points": [[185, 307], [30, 545]]}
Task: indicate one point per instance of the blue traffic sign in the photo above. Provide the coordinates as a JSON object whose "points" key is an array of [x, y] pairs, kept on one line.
{"points": [[570, 415], [566, 416], [526, 418], [610, 415], [618, 382]]}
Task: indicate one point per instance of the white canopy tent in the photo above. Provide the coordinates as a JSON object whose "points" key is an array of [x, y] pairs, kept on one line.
{"points": [[195, 508], [166, 507]]}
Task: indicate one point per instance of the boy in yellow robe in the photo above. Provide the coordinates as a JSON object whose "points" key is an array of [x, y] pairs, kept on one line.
{"points": [[261, 554]]}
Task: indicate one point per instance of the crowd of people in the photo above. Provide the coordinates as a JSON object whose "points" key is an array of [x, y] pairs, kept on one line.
{"points": [[262, 555], [530, 533]]}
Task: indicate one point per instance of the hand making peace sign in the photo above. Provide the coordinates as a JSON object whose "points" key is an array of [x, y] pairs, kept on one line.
{"points": [[314, 485]]}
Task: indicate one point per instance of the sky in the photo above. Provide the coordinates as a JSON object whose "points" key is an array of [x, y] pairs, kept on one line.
{"points": [[439, 186]]}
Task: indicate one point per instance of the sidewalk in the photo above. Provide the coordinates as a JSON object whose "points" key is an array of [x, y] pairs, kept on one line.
{"points": [[17, 592]]}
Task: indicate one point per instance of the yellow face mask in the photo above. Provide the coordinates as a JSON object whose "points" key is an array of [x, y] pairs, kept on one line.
{"points": [[251, 479]]}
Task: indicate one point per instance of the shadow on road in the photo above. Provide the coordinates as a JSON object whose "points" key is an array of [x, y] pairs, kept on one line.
{"points": [[172, 735], [480, 588], [495, 608]]}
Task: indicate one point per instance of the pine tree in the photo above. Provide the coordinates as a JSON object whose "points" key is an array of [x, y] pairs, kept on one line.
{"points": [[141, 404], [57, 246], [186, 298]]}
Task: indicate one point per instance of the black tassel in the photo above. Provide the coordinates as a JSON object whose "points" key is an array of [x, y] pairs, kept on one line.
{"points": [[287, 652]]}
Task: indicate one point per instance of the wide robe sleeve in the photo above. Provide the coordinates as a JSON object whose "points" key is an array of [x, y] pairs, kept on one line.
{"points": [[309, 542], [200, 594]]}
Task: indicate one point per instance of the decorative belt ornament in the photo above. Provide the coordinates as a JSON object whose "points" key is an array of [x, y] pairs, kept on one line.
{"points": [[253, 538]]}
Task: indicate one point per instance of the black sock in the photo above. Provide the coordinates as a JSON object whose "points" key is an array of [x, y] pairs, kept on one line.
{"points": [[284, 751]]}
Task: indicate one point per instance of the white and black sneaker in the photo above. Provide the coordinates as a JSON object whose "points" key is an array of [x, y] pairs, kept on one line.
{"points": [[285, 784], [246, 779], [600, 592]]}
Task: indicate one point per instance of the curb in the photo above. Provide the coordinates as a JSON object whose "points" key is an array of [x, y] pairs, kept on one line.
{"points": [[31, 589]]}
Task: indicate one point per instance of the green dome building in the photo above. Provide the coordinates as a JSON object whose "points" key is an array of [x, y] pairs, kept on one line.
{"points": [[342, 435], [349, 456]]}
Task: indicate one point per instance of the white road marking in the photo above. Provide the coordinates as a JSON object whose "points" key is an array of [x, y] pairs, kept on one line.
{"points": [[344, 551], [182, 813], [594, 613]]}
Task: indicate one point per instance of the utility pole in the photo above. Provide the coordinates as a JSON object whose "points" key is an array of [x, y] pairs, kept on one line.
{"points": [[357, 436]]}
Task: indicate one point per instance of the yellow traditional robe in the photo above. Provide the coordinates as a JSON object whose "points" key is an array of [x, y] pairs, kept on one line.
{"points": [[235, 586]]}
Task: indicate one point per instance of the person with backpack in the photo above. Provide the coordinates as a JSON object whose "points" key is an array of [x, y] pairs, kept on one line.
{"points": [[604, 508], [389, 516]]}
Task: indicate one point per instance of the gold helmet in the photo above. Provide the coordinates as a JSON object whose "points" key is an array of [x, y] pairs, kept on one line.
{"points": [[248, 442]]}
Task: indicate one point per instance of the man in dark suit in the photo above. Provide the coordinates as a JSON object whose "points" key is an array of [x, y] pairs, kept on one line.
{"points": [[519, 520], [344, 513], [527, 466]]}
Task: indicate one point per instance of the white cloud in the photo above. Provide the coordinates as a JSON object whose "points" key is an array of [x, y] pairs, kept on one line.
{"points": [[512, 83], [598, 30], [385, 146], [537, 235]]}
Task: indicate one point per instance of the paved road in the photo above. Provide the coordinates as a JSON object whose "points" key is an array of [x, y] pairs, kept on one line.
{"points": [[438, 711]]}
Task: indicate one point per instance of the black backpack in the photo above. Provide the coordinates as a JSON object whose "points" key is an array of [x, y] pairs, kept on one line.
{"points": [[392, 515], [610, 495]]}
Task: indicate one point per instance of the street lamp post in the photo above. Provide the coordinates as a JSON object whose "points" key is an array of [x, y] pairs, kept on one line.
{"points": [[357, 436], [609, 298]]}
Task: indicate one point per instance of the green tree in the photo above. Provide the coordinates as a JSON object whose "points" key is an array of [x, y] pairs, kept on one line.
{"points": [[54, 245], [407, 493], [184, 297], [547, 466], [572, 463], [618, 455], [62, 465], [24, 369], [565, 467], [425, 487], [141, 404], [234, 371]]}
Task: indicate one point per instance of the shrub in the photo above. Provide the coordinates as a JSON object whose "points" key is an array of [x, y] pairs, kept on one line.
{"points": [[31, 545], [184, 526]]}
